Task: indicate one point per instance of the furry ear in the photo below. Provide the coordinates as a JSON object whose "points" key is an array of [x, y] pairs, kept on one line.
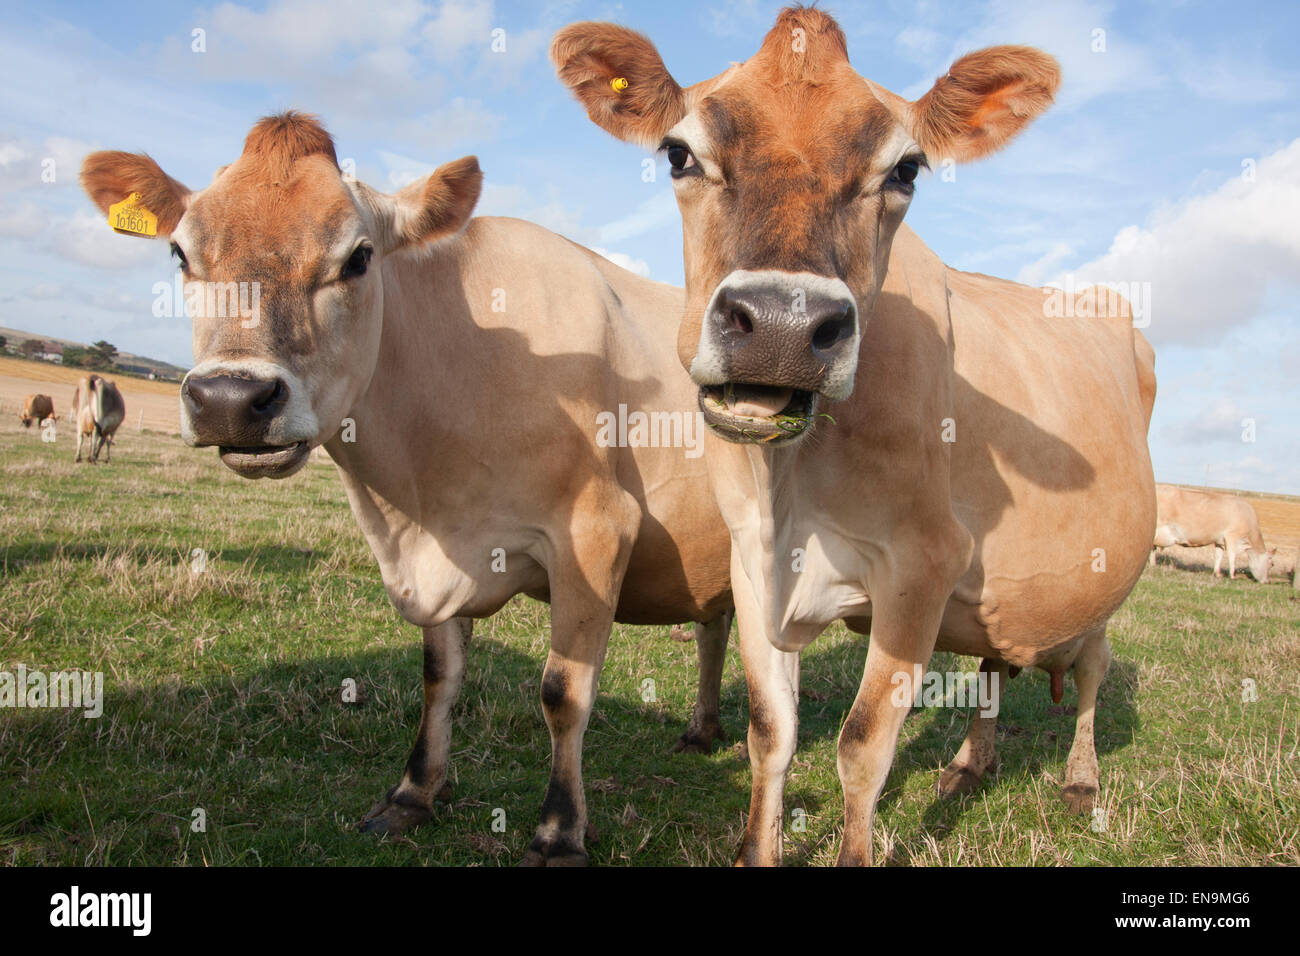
{"points": [[109, 177], [435, 207], [986, 99], [619, 77]]}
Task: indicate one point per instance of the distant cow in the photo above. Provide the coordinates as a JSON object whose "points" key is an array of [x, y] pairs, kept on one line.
{"points": [[1193, 519], [97, 410], [37, 408]]}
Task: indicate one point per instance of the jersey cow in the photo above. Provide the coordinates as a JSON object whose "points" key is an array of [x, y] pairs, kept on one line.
{"points": [[1193, 519], [456, 371], [924, 453], [97, 410], [37, 408]]}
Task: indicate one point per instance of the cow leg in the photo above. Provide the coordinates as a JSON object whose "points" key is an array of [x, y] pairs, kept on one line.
{"points": [[584, 593], [1151, 559], [978, 754], [706, 723], [1218, 559], [1082, 782], [410, 803], [1232, 563], [904, 625], [80, 437], [770, 676]]}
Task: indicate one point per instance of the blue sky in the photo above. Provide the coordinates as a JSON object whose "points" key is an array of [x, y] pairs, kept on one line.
{"points": [[1171, 157]]}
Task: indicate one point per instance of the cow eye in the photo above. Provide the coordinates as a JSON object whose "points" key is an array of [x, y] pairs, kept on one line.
{"points": [[180, 257], [358, 262], [680, 158], [905, 172]]}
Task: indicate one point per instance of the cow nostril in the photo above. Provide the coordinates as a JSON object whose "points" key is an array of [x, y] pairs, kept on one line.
{"points": [[269, 398], [833, 331], [738, 320]]}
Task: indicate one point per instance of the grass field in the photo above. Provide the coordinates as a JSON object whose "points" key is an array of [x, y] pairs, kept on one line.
{"points": [[223, 692]]}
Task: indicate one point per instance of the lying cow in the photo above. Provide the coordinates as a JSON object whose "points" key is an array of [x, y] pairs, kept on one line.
{"points": [[37, 408], [1193, 519], [97, 411], [455, 371], [979, 479]]}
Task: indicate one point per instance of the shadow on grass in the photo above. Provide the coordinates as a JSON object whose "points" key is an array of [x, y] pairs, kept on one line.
{"points": [[262, 557]]}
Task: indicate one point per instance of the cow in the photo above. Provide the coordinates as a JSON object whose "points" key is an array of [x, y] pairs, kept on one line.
{"points": [[456, 371], [938, 458], [37, 408], [97, 411], [1192, 519]]}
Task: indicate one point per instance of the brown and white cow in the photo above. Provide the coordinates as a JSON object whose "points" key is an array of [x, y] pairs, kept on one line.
{"points": [[455, 371], [1193, 519], [37, 408], [97, 411], [915, 450]]}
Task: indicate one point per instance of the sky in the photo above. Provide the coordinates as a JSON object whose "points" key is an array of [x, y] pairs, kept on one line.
{"points": [[1171, 158]]}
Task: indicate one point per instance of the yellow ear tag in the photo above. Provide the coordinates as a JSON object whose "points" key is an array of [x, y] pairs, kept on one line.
{"points": [[131, 218], [619, 84]]}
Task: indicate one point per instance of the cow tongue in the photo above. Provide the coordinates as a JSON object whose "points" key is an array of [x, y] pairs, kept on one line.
{"points": [[753, 401]]}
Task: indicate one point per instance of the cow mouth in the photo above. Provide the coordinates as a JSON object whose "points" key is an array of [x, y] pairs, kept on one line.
{"points": [[265, 461], [757, 414]]}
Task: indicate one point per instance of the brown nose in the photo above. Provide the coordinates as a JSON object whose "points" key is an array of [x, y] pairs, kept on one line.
{"points": [[225, 410]]}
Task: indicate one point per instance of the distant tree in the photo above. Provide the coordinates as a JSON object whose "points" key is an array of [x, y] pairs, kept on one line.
{"points": [[101, 355], [75, 356], [4, 343], [33, 347]]}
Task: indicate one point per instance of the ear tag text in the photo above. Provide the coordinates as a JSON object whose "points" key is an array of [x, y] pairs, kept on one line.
{"points": [[131, 218]]}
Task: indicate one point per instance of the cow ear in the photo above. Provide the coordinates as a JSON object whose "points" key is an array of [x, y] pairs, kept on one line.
{"points": [[985, 100], [438, 206], [619, 77], [110, 177]]}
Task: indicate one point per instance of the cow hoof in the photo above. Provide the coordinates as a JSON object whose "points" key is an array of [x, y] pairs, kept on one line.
{"points": [[391, 817], [959, 781], [559, 853], [1080, 797], [698, 741]]}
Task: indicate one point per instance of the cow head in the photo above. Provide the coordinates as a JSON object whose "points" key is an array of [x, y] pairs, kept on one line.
{"points": [[792, 173], [282, 256], [1260, 562]]}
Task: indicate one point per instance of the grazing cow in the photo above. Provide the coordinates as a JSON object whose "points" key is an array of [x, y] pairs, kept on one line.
{"points": [[97, 410], [455, 371], [978, 477], [37, 408], [1193, 519]]}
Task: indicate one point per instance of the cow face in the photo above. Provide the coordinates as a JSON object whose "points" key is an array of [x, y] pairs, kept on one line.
{"points": [[282, 261], [1260, 562], [792, 173]]}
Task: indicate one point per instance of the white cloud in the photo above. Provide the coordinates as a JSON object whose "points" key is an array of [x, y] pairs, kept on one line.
{"points": [[654, 212], [639, 266], [459, 26], [1065, 29], [1211, 259], [87, 239]]}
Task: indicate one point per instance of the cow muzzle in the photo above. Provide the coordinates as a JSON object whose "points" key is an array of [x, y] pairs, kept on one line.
{"points": [[244, 416], [772, 344]]}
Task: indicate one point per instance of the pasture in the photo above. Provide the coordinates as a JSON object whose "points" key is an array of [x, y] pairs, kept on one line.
{"points": [[223, 691]]}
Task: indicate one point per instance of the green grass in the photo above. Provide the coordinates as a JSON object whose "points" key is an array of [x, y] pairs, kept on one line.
{"points": [[223, 691]]}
